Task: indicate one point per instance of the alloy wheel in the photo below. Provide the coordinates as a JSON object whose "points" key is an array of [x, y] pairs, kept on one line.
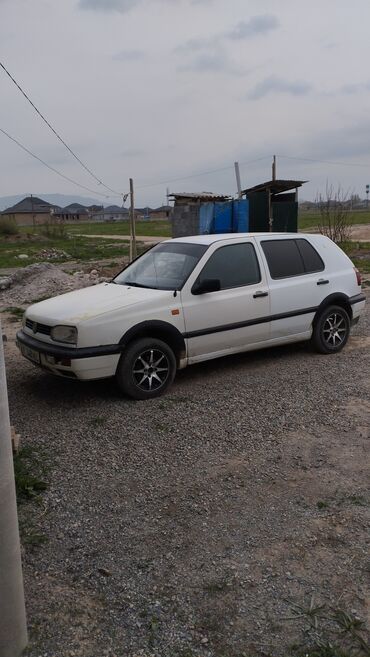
{"points": [[151, 370], [334, 330]]}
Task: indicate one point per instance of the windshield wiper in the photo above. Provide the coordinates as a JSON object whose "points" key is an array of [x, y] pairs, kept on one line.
{"points": [[149, 287]]}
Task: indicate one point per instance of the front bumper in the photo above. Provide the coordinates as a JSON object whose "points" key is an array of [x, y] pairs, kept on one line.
{"points": [[73, 362], [66, 352]]}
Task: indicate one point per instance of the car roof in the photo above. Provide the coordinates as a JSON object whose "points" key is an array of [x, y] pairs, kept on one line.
{"points": [[210, 239]]}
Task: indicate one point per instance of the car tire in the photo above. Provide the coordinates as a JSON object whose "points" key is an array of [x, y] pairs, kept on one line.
{"points": [[146, 368], [331, 330]]}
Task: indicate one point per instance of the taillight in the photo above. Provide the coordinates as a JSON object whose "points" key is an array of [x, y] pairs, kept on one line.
{"points": [[358, 276]]}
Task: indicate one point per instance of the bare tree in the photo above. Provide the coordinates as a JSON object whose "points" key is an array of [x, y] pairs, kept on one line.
{"points": [[335, 212]]}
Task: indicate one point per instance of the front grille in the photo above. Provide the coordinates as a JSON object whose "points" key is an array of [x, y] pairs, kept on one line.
{"points": [[36, 327]]}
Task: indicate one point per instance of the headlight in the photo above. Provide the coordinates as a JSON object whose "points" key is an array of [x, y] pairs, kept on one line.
{"points": [[64, 334]]}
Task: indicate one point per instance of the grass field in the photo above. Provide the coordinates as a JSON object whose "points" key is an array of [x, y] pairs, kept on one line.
{"points": [[32, 241], [311, 219], [147, 228], [78, 248], [162, 228]]}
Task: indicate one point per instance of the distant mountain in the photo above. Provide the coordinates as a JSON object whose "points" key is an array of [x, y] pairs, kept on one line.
{"points": [[55, 199]]}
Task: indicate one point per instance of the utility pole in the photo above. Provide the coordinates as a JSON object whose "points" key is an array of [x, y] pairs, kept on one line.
{"points": [[132, 222], [274, 168], [271, 218], [13, 628], [33, 215], [237, 174]]}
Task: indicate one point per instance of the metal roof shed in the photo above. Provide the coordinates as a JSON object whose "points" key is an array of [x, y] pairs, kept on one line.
{"points": [[186, 212], [271, 207], [185, 198]]}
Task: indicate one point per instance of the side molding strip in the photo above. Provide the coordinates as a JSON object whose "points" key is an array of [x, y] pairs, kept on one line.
{"points": [[249, 322]]}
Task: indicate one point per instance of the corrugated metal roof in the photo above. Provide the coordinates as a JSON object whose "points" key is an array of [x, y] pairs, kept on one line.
{"points": [[275, 186], [204, 196]]}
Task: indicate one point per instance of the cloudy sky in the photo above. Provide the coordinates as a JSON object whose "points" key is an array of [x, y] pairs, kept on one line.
{"points": [[166, 90]]}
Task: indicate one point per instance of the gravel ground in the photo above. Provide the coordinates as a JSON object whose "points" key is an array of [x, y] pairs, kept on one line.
{"points": [[184, 526]]}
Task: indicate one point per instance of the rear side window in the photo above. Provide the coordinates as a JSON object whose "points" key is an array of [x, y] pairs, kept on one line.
{"points": [[283, 258], [311, 259], [287, 258], [234, 265]]}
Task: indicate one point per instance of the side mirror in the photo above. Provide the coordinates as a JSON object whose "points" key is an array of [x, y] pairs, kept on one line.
{"points": [[207, 285]]}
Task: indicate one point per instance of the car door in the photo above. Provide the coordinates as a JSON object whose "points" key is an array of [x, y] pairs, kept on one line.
{"points": [[237, 315], [297, 283]]}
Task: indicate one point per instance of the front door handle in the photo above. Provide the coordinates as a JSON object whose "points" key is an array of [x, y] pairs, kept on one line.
{"points": [[260, 293], [322, 281]]}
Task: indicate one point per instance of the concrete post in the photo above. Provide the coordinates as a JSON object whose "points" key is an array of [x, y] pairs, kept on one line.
{"points": [[238, 183], [13, 629]]}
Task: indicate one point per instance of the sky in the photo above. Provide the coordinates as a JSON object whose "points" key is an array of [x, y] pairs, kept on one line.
{"points": [[173, 92]]}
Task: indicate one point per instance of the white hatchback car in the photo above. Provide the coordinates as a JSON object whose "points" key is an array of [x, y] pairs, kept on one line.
{"points": [[192, 299]]}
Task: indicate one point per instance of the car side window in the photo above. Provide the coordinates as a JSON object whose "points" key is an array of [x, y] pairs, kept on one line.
{"points": [[286, 258], [283, 258], [311, 259], [233, 265]]}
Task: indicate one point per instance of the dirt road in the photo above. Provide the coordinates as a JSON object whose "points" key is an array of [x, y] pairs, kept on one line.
{"points": [[360, 232], [147, 239]]}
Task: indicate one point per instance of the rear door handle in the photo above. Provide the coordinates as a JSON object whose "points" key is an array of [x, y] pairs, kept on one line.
{"points": [[322, 281], [260, 293]]}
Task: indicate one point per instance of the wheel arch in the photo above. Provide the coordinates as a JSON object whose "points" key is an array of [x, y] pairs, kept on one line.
{"points": [[160, 330], [335, 299]]}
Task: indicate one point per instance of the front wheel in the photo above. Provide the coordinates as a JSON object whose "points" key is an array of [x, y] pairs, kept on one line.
{"points": [[146, 369], [331, 330]]}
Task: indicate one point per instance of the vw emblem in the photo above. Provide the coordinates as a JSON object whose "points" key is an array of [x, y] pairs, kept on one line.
{"points": [[34, 327]]}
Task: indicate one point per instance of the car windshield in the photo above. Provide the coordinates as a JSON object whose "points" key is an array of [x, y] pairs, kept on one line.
{"points": [[164, 267]]}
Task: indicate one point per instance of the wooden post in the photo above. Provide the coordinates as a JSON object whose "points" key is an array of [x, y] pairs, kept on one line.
{"points": [[270, 210], [132, 222], [13, 629]]}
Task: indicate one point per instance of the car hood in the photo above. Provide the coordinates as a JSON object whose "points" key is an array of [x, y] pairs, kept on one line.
{"points": [[79, 305]]}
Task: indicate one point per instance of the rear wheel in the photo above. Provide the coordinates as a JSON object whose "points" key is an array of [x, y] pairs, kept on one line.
{"points": [[331, 330], [146, 368]]}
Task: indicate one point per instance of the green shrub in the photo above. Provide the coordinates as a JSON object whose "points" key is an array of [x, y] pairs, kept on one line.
{"points": [[8, 227]]}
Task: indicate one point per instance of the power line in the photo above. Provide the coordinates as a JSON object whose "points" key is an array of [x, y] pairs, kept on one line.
{"points": [[341, 164], [56, 133], [50, 167], [203, 173]]}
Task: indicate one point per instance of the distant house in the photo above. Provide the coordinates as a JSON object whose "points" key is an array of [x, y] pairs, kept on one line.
{"points": [[74, 212], [116, 213], [163, 212], [143, 213], [30, 211], [307, 205], [111, 213]]}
